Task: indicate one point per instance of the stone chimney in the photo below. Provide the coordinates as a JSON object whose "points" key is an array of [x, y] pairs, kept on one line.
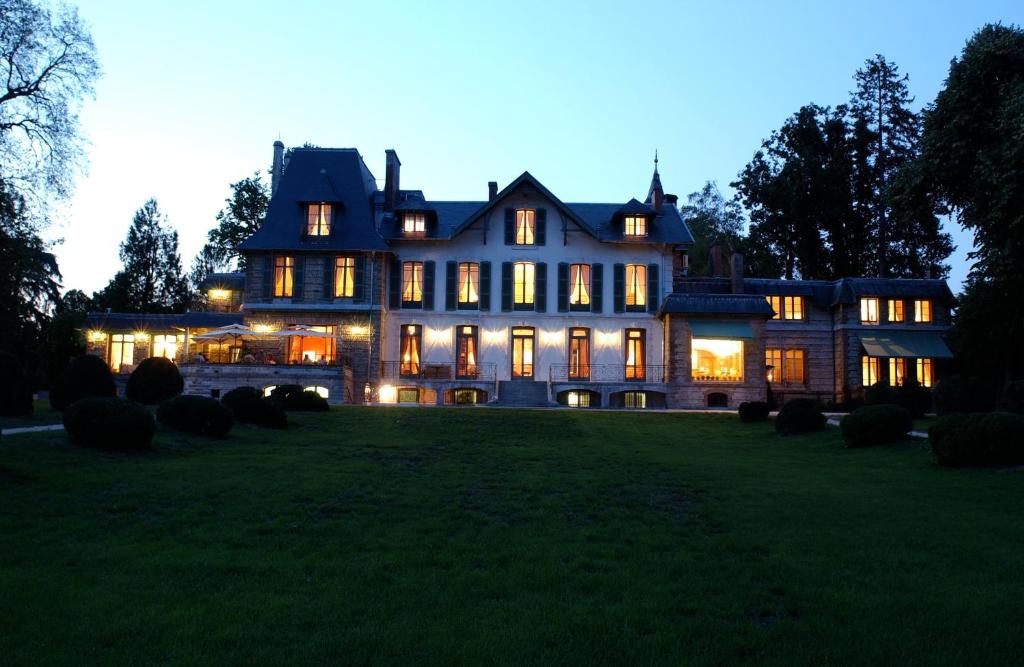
{"points": [[736, 272], [392, 166], [717, 262], [277, 167], [492, 190]]}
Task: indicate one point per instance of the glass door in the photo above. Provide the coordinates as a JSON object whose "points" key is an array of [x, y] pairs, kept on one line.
{"points": [[579, 354], [522, 353], [636, 354], [465, 352]]}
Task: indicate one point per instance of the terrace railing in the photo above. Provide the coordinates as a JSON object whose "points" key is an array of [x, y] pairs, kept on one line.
{"points": [[606, 373], [395, 370]]}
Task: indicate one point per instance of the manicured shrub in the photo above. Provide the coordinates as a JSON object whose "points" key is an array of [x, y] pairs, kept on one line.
{"points": [[915, 397], [15, 390], [154, 380], [249, 406], [86, 376], [196, 414], [109, 423], [294, 397], [978, 438], [753, 411], [879, 393], [800, 415], [875, 425], [1013, 398], [952, 395]]}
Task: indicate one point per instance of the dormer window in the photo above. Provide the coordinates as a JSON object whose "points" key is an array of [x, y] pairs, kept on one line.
{"points": [[635, 225], [525, 226], [414, 224], [318, 220]]}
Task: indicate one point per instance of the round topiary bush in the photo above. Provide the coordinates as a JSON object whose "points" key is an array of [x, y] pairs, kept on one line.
{"points": [[154, 380], [109, 423], [249, 406], [875, 425], [196, 414], [294, 397], [952, 395], [86, 376], [915, 397], [958, 439], [15, 390], [800, 415], [879, 393], [753, 411]]}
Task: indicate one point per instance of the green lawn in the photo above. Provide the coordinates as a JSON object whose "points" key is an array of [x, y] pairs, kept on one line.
{"points": [[42, 415], [433, 536]]}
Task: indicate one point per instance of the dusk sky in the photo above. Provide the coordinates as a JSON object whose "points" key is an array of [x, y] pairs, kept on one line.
{"points": [[194, 93]]}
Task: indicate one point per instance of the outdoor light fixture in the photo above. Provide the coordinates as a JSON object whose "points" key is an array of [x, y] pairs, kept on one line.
{"points": [[607, 338], [552, 338], [495, 337], [96, 336], [141, 335], [387, 394], [439, 336], [358, 330], [262, 328], [219, 294]]}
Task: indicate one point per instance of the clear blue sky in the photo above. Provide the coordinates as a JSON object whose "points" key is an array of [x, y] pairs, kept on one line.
{"points": [[195, 92]]}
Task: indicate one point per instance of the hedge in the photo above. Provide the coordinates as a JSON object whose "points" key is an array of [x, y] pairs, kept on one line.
{"points": [[978, 438], [875, 425], [86, 376], [153, 381], [249, 406], [800, 415], [109, 423], [196, 414], [294, 397]]}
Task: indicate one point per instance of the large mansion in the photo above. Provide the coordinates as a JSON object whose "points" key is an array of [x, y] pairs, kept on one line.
{"points": [[373, 295]]}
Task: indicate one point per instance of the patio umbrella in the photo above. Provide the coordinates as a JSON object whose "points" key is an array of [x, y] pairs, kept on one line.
{"points": [[301, 331], [233, 332]]}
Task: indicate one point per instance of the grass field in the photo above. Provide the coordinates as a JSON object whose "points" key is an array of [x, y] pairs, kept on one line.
{"points": [[464, 536]]}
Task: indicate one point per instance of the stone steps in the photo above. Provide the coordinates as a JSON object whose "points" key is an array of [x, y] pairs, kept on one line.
{"points": [[523, 394]]}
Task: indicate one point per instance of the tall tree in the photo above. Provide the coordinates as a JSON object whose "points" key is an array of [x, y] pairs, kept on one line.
{"points": [[152, 279], [48, 61], [972, 161], [242, 215], [29, 277], [713, 219], [881, 103]]}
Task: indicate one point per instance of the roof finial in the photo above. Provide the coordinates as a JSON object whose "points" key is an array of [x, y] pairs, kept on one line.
{"points": [[655, 160]]}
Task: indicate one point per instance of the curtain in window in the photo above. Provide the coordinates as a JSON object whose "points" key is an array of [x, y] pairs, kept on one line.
{"points": [[579, 284], [636, 285], [524, 227], [412, 281], [410, 364], [468, 277]]}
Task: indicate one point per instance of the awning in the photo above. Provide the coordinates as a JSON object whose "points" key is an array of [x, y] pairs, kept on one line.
{"points": [[927, 344], [731, 329]]}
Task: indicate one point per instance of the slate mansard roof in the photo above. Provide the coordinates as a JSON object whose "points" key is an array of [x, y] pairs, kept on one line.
{"points": [[334, 175], [340, 177]]}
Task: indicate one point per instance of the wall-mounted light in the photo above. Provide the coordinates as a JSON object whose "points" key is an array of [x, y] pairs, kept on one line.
{"points": [[387, 394], [219, 294], [96, 336], [606, 338], [141, 335], [439, 336], [551, 338], [495, 336], [358, 330], [263, 328]]}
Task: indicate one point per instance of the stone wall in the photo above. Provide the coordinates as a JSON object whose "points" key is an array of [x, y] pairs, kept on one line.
{"points": [[313, 282], [813, 335], [217, 379]]}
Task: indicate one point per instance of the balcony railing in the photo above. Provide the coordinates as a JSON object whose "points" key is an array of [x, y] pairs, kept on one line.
{"points": [[606, 373], [437, 371]]}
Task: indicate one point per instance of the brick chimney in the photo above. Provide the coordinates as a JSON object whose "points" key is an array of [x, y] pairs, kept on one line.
{"points": [[492, 190], [717, 262], [680, 268], [392, 167], [277, 166], [736, 272]]}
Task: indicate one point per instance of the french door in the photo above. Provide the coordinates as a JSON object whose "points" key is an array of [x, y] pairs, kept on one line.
{"points": [[522, 353], [465, 352], [636, 354]]}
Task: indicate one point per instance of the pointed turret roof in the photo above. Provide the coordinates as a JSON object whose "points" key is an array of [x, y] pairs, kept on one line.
{"points": [[655, 182]]}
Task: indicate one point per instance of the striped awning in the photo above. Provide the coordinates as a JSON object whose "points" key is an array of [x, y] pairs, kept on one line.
{"points": [[927, 344]]}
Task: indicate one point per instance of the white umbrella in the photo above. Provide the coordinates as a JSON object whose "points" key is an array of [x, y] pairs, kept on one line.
{"points": [[233, 332], [302, 331]]}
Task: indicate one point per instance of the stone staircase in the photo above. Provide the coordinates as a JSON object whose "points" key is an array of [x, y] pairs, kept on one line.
{"points": [[523, 394]]}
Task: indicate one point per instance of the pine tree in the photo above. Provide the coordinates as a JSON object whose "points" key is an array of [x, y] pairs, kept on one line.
{"points": [[151, 280]]}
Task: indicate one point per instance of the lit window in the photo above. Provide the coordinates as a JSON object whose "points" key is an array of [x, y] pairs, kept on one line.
{"points": [[925, 372], [578, 399], [412, 283], [466, 352], [267, 391], [414, 224], [344, 276], [773, 364], [579, 354], [794, 367], [634, 400], [218, 295], [579, 285], [636, 354], [318, 220], [715, 360], [869, 310], [469, 283], [897, 371], [922, 311], [322, 392], [284, 270], [525, 219], [868, 371], [523, 284], [122, 351], [411, 344], [408, 395], [314, 349], [895, 310], [635, 225], [465, 396], [787, 307], [636, 286], [167, 345]]}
